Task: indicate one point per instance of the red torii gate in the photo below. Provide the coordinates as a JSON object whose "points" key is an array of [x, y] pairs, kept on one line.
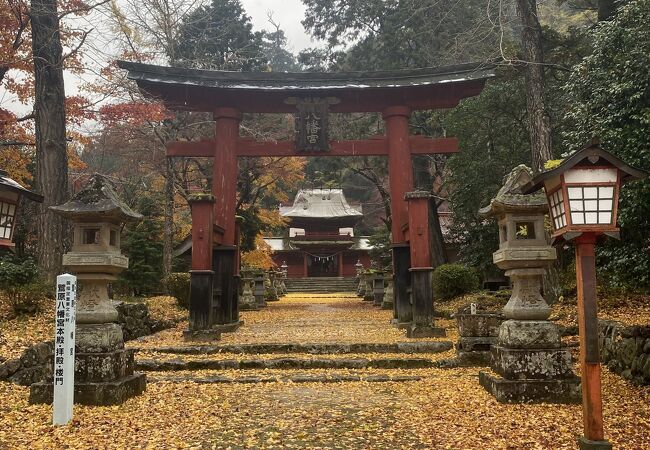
{"points": [[394, 94]]}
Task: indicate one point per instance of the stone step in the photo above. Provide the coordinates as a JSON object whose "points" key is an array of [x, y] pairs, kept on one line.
{"points": [[153, 365], [311, 348], [297, 378]]}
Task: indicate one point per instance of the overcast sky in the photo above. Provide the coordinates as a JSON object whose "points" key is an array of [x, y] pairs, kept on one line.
{"points": [[288, 13]]}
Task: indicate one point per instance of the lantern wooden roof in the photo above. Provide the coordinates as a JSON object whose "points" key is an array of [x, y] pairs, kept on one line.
{"points": [[8, 184], [97, 201], [511, 198], [267, 92], [587, 157]]}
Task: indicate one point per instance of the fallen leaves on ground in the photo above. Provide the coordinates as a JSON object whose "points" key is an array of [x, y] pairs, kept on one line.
{"points": [[447, 409], [20, 332]]}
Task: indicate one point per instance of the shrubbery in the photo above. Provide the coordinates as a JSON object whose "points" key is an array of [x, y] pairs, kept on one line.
{"points": [[178, 285], [451, 280], [21, 286]]}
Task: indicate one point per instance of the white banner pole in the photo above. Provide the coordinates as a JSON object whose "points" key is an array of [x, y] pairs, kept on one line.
{"points": [[64, 339]]}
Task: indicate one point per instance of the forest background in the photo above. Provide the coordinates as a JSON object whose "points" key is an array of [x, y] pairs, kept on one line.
{"points": [[567, 70]]}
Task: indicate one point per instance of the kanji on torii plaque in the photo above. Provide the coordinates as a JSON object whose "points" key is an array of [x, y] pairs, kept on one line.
{"points": [[312, 122]]}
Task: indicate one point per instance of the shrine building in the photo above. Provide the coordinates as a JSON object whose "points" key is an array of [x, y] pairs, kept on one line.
{"points": [[320, 239]]}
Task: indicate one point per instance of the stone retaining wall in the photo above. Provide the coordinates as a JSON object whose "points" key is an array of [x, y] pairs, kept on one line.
{"points": [[625, 350], [35, 364]]}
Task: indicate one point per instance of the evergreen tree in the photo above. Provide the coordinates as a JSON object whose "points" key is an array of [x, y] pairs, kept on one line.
{"points": [[274, 48], [219, 36], [609, 98], [142, 243]]}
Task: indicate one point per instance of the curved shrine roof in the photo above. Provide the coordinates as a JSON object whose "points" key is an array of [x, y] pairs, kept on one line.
{"points": [[321, 204], [204, 90]]}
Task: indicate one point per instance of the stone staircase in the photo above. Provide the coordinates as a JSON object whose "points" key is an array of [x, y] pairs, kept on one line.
{"points": [[324, 285], [295, 363]]}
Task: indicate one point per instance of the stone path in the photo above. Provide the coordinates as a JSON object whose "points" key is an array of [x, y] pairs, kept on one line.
{"points": [[300, 319], [282, 338], [236, 406]]}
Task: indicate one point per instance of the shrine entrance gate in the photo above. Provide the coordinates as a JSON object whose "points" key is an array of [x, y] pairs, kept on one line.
{"points": [[311, 97]]}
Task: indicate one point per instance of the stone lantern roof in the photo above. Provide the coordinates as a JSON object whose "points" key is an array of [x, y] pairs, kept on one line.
{"points": [[97, 201], [511, 198]]}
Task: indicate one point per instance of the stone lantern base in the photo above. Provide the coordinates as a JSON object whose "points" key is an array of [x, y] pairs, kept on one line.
{"points": [[104, 370], [532, 365], [478, 332]]}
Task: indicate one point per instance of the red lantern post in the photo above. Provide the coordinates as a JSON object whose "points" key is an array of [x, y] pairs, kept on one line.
{"points": [[582, 193]]}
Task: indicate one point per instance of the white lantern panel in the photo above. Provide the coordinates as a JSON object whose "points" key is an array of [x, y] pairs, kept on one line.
{"points": [[606, 191], [605, 205], [590, 192], [582, 176], [578, 218], [591, 218], [7, 212], [576, 205], [557, 209], [590, 205], [575, 193], [604, 217]]}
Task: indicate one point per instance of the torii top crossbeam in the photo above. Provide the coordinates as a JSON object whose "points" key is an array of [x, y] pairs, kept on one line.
{"points": [[265, 92], [394, 94]]}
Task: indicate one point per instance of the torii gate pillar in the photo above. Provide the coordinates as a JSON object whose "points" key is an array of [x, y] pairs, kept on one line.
{"points": [[224, 189], [400, 178]]}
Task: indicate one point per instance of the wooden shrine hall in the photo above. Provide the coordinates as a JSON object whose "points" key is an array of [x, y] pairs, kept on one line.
{"points": [[311, 97]]}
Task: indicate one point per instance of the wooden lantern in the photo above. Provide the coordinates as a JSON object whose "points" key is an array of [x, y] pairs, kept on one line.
{"points": [[11, 193], [583, 192]]}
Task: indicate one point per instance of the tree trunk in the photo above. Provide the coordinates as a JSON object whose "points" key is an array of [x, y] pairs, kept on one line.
{"points": [[49, 114], [539, 120], [168, 230]]}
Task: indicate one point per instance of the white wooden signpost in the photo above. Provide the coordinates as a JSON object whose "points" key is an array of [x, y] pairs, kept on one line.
{"points": [[64, 338]]}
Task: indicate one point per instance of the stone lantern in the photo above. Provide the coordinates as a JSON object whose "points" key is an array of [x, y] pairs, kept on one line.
{"points": [[103, 368], [285, 273], [247, 300], [528, 355], [389, 295]]}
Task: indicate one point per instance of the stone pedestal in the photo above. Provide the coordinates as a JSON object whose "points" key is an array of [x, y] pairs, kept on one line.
{"points": [[270, 293], [388, 300], [259, 290], [587, 444], [247, 300], [361, 284], [478, 332], [532, 365], [369, 293], [526, 302], [378, 288]]}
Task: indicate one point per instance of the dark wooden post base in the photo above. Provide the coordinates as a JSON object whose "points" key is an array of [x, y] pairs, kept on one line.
{"points": [[422, 295], [200, 299], [225, 308], [402, 312]]}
